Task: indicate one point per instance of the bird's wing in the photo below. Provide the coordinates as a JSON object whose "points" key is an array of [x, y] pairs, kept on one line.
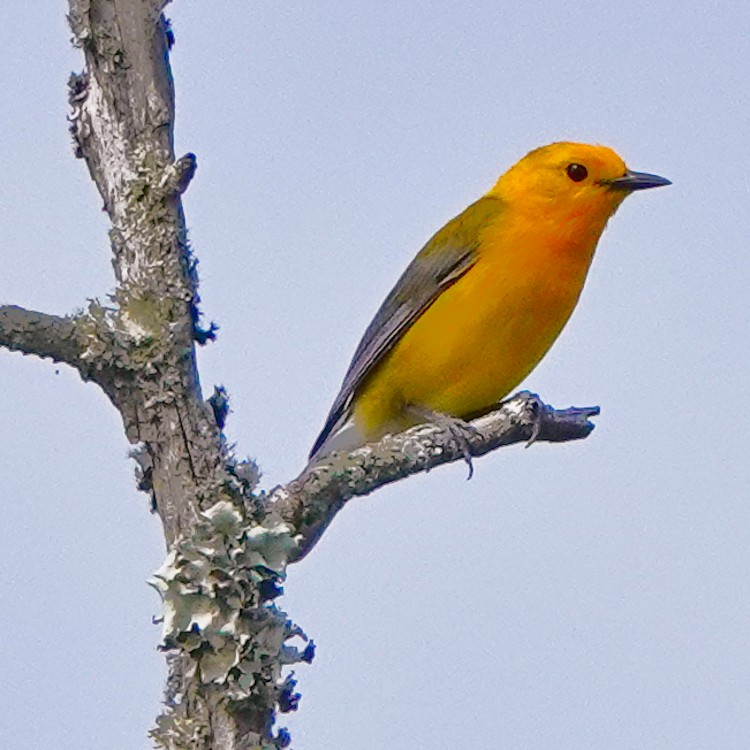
{"points": [[440, 263]]}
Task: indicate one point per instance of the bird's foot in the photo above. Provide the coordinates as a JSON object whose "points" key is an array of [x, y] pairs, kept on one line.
{"points": [[456, 428]]}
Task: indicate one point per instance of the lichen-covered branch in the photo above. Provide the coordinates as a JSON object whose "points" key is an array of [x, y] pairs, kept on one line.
{"points": [[140, 347], [218, 588], [40, 334], [310, 502], [219, 585]]}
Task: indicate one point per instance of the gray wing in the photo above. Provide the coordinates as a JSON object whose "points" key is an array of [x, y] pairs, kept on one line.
{"points": [[440, 263]]}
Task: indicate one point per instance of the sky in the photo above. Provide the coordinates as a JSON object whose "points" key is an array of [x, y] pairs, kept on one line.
{"points": [[584, 595]]}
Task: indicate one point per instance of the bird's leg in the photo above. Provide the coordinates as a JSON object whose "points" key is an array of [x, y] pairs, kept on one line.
{"points": [[456, 428]]}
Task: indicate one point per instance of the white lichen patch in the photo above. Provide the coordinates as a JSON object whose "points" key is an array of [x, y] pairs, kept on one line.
{"points": [[217, 589], [224, 516], [270, 546], [134, 329]]}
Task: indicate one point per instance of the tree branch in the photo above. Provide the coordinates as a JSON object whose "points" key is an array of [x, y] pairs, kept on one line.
{"points": [[122, 124], [48, 336], [228, 642], [310, 502]]}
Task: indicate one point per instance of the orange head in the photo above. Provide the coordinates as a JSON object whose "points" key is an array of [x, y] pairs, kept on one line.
{"points": [[569, 180]]}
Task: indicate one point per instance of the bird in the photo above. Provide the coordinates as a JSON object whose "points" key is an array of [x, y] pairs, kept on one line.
{"points": [[484, 300]]}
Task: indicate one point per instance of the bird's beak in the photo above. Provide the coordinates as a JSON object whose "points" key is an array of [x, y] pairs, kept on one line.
{"points": [[637, 181]]}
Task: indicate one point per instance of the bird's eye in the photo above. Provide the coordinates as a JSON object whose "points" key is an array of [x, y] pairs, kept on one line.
{"points": [[577, 172]]}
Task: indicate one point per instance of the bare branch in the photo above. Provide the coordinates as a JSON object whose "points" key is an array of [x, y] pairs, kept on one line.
{"points": [[48, 336], [310, 502]]}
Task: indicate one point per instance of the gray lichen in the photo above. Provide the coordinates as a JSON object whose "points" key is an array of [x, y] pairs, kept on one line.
{"points": [[217, 589]]}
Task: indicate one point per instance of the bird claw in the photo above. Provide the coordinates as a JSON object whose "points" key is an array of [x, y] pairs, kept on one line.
{"points": [[459, 431], [456, 428]]}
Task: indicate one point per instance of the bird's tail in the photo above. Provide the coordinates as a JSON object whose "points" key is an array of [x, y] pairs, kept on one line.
{"points": [[345, 439]]}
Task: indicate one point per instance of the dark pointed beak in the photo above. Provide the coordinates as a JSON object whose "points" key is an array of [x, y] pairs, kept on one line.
{"points": [[638, 181]]}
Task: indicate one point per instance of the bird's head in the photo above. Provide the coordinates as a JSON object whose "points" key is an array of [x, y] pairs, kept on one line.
{"points": [[572, 179]]}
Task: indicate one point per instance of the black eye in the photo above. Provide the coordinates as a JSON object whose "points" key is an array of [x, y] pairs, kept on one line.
{"points": [[577, 172]]}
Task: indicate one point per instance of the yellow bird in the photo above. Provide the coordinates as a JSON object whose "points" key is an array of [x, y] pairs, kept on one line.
{"points": [[484, 299]]}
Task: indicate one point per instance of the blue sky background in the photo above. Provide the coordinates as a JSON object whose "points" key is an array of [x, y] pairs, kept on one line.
{"points": [[589, 595]]}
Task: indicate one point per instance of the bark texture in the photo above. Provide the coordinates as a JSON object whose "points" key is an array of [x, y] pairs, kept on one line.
{"points": [[229, 545], [310, 502], [43, 335], [226, 639]]}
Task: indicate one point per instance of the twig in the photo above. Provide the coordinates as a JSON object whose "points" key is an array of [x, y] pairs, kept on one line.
{"points": [[40, 334], [310, 502]]}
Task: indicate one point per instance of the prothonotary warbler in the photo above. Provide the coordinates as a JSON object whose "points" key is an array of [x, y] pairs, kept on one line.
{"points": [[484, 299]]}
